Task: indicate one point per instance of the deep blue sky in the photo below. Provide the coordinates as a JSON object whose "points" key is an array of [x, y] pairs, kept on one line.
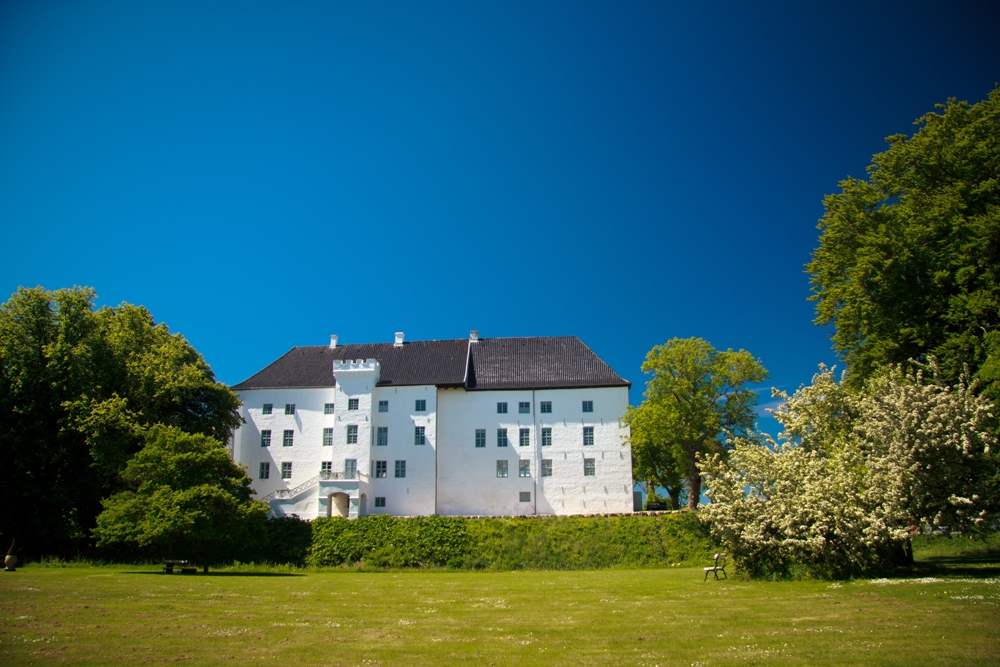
{"points": [[261, 175]]}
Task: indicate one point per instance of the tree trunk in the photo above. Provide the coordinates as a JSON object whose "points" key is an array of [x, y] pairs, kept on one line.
{"points": [[694, 491], [675, 497]]}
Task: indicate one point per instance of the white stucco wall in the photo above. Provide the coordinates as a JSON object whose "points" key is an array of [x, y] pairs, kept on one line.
{"points": [[467, 477], [449, 474]]}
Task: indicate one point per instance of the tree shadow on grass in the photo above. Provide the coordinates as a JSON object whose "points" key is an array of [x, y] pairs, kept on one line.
{"points": [[216, 574]]}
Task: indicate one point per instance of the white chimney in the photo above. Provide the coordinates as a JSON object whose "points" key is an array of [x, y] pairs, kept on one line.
{"points": [[333, 341], [399, 339], [474, 336]]}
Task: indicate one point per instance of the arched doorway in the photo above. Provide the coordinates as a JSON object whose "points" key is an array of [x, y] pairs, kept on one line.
{"points": [[363, 506], [339, 504]]}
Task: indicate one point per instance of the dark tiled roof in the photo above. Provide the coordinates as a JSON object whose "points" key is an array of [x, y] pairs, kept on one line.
{"points": [[495, 363], [545, 362], [437, 362]]}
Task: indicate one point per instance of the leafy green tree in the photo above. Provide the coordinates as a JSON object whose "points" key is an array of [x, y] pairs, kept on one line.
{"points": [[184, 491], [695, 395], [655, 463], [908, 263], [77, 388]]}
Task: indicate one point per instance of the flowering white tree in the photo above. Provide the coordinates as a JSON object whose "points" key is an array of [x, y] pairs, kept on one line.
{"points": [[854, 475]]}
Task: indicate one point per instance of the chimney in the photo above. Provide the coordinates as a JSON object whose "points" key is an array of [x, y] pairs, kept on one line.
{"points": [[333, 341], [399, 339], [474, 336]]}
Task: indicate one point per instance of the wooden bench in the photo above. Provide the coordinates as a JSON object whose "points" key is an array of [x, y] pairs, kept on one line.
{"points": [[720, 566], [169, 565]]}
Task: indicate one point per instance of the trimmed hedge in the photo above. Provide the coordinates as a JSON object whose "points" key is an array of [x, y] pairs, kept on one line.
{"points": [[517, 543]]}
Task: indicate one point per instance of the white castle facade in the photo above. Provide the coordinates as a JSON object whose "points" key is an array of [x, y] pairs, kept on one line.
{"points": [[504, 426]]}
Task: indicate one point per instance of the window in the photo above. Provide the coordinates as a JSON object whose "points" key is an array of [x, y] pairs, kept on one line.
{"points": [[289, 408], [328, 437], [588, 468], [501, 408], [383, 436], [379, 501], [352, 404], [265, 438], [400, 469], [546, 437], [501, 437], [380, 468], [588, 436], [524, 437], [524, 408], [546, 407], [524, 468], [325, 468], [265, 470], [418, 436], [383, 406], [352, 434], [328, 408], [588, 406], [287, 438], [266, 410], [480, 437], [420, 405], [286, 470], [501, 468], [546, 467], [351, 468], [525, 496]]}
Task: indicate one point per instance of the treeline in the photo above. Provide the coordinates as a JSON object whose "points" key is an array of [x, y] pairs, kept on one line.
{"points": [[79, 389]]}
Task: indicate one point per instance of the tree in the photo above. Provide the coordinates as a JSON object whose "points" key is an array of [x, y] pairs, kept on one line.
{"points": [[855, 473], [696, 393], [77, 388], [908, 263], [184, 490]]}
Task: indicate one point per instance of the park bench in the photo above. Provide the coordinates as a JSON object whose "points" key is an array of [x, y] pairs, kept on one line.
{"points": [[169, 565], [720, 566]]}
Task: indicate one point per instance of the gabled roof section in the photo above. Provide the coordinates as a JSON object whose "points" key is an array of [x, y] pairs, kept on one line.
{"points": [[434, 362], [537, 363]]}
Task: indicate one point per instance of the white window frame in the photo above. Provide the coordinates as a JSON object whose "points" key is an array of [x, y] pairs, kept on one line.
{"points": [[288, 438], [352, 434], [328, 437], [590, 467], [286, 470], [588, 436], [328, 408], [325, 467], [353, 403]]}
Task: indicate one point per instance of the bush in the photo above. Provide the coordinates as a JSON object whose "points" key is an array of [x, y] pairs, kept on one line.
{"points": [[558, 543]]}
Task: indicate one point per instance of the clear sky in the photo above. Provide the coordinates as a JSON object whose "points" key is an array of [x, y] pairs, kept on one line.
{"points": [[263, 174]]}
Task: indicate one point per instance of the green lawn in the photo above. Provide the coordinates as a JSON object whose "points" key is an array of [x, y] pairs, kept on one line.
{"points": [[126, 615]]}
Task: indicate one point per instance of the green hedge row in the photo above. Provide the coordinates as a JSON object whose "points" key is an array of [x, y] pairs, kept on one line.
{"points": [[556, 543]]}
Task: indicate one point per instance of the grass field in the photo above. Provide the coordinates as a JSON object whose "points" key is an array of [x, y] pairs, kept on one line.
{"points": [[946, 614]]}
